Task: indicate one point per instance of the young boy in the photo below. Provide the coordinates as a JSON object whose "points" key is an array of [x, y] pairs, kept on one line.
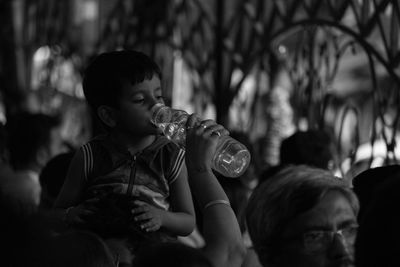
{"points": [[131, 166]]}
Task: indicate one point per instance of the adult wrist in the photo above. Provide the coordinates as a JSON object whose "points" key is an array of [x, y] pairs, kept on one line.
{"points": [[217, 202], [199, 168]]}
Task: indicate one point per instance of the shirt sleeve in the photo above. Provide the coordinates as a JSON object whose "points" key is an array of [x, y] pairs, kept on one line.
{"points": [[176, 166], [87, 159]]}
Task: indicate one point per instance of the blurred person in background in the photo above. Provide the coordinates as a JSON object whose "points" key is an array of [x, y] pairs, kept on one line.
{"points": [[368, 182], [378, 240], [311, 148], [32, 140], [52, 178]]}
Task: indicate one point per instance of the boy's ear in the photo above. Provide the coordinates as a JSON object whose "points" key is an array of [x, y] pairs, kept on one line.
{"points": [[106, 115], [42, 156]]}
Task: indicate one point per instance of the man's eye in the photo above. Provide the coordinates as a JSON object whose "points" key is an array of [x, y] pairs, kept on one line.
{"points": [[350, 231], [314, 236]]}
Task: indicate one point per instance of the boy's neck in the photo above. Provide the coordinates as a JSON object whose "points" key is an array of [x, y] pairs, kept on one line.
{"points": [[133, 145]]}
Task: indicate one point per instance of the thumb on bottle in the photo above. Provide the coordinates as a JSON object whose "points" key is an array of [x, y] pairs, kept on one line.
{"points": [[191, 121]]}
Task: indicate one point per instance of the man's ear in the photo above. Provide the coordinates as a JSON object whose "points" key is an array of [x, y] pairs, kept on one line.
{"points": [[107, 116]]}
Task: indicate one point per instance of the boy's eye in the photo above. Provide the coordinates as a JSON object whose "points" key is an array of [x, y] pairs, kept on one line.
{"points": [[137, 101], [160, 97]]}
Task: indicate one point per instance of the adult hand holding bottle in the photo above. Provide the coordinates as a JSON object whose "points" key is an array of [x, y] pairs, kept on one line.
{"points": [[206, 135], [231, 158], [224, 246]]}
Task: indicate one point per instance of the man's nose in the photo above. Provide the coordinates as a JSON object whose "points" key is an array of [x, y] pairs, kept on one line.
{"points": [[341, 249]]}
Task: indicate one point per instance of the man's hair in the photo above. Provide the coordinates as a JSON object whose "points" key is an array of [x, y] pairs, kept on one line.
{"points": [[106, 75], [27, 133], [289, 193]]}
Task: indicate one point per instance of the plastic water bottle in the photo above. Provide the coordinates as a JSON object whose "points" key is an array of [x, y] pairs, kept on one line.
{"points": [[231, 157]]}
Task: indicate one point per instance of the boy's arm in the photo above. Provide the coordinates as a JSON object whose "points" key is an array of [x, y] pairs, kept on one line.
{"points": [[71, 191], [66, 206], [180, 220]]}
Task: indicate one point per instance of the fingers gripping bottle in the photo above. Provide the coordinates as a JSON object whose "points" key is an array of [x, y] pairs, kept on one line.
{"points": [[231, 157]]}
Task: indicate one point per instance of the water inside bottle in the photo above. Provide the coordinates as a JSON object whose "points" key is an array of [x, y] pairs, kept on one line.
{"points": [[173, 131], [231, 159]]}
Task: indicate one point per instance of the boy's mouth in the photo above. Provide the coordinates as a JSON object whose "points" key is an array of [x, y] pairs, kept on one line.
{"points": [[153, 125]]}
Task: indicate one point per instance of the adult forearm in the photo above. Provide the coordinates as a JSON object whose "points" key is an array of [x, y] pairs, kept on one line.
{"points": [[224, 245], [204, 186]]}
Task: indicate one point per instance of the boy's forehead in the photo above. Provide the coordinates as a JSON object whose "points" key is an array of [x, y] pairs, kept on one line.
{"points": [[147, 84]]}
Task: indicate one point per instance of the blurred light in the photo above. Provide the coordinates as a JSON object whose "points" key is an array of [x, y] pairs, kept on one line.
{"points": [[282, 49], [42, 54], [79, 91], [89, 10]]}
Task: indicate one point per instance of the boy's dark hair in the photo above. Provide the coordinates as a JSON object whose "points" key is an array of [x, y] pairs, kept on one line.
{"points": [[27, 133], [108, 72]]}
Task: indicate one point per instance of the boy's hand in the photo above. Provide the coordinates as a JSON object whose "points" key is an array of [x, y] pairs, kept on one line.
{"points": [[149, 217], [77, 214]]}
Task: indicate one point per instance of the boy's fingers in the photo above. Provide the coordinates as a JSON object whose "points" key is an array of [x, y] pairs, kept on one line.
{"points": [[152, 228], [140, 203], [148, 225], [140, 209], [143, 217]]}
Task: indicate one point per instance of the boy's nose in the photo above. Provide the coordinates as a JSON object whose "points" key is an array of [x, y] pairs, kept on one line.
{"points": [[153, 101]]}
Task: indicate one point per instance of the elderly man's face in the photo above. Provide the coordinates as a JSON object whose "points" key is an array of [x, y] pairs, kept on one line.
{"points": [[323, 236]]}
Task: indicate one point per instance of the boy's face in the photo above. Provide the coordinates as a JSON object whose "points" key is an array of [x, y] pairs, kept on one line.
{"points": [[133, 115]]}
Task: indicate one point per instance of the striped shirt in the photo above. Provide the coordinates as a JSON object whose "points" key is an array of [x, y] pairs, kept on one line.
{"points": [[146, 175]]}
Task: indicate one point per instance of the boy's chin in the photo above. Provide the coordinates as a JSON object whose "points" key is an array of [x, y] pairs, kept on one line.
{"points": [[156, 130]]}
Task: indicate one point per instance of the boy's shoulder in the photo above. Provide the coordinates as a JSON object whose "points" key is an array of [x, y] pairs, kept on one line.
{"points": [[103, 141], [161, 142]]}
